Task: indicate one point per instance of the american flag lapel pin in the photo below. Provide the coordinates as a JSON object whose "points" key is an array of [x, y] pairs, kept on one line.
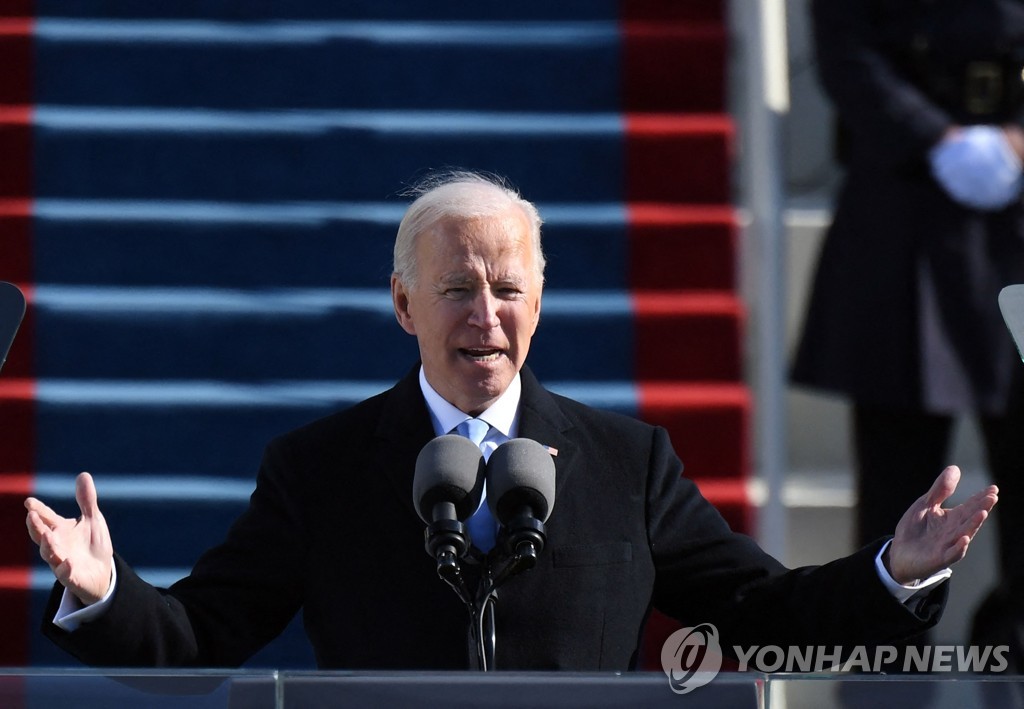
{"points": [[552, 451]]}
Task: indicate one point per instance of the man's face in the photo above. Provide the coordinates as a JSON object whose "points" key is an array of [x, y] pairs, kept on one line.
{"points": [[475, 306]]}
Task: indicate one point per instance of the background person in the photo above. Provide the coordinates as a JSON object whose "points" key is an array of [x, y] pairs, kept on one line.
{"points": [[928, 228]]}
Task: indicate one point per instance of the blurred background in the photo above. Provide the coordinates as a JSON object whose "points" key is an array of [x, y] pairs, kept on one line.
{"points": [[199, 200]]}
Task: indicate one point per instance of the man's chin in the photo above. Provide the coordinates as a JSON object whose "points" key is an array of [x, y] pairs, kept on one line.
{"points": [[486, 390]]}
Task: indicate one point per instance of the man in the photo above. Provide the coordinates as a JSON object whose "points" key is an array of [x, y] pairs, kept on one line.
{"points": [[331, 526]]}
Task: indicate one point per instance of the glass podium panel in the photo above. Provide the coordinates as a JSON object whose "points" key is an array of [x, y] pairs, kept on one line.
{"points": [[935, 691], [22, 688], [515, 690], [82, 688]]}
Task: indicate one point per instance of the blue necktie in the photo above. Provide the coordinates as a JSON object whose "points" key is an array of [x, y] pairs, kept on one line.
{"points": [[481, 524]]}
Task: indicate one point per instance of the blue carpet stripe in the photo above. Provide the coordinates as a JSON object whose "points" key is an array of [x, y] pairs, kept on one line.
{"points": [[314, 122], [327, 10], [205, 33], [177, 488], [77, 210], [192, 394], [190, 301], [215, 212], [163, 394]]}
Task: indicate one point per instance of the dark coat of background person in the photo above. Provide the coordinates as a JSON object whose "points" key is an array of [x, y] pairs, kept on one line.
{"points": [[903, 315], [903, 310]]}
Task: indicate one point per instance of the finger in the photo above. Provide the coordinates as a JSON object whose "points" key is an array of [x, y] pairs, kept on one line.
{"points": [[985, 499], [36, 526], [944, 486], [46, 514], [85, 494], [972, 524], [47, 552], [982, 500], [53, 547], [956, 551]]}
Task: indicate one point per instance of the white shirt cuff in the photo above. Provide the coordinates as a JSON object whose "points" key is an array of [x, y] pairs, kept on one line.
{"points": [[905, 592], [71, 613]]}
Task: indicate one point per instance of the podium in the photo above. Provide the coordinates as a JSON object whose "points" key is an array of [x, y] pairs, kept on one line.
{"points": [[22, 688], [269, 689]]}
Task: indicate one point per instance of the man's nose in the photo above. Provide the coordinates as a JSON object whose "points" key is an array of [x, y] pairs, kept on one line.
{"points": [[484, 313]]}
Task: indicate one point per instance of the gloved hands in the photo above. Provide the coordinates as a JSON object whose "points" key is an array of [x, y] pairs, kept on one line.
{"points": [[978, 167]]}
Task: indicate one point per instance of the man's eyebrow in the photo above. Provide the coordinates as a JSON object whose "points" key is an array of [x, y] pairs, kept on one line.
{"points": [[515, 279], [457, 279], [466, 279]]}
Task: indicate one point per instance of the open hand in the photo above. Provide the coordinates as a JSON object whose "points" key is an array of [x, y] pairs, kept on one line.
{"points": [[78, 551], [930, 538]]}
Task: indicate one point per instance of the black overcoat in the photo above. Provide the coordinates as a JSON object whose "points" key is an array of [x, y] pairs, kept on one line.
{"points": [[331, 529], [903, 308]]}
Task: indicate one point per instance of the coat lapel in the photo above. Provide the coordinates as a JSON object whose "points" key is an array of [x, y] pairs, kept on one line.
{"points": [[405, 427], [402, 431], [542, 420]]}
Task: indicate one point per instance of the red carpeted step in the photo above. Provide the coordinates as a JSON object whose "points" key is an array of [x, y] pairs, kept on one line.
{"points": [[688, 336], [17, 550], [673, 10], [678, 158], [16, 59], [673, 67], [17, 420], [674, 247], [15, 240], [708, 424], [16, 555], [16, 149], [15, 599], [17, 425]]}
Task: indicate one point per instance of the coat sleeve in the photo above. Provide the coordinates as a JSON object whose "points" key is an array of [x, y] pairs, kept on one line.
{"points": [[239, 596], [705, 572]]}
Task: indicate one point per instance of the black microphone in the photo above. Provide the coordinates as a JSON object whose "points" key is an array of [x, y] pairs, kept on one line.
{"points": [[12, 310], [521, 493], [446, 490]]}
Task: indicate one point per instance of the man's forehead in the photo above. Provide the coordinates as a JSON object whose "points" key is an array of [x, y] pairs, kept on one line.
{"points": [[472, 275], [511, 221]]}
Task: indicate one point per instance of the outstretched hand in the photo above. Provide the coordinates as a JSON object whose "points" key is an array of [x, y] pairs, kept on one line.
{"points": [[78, 551], [930, 538]]}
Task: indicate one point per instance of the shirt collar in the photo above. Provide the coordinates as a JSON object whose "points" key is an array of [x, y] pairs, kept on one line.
{"points": [[503, 414]]}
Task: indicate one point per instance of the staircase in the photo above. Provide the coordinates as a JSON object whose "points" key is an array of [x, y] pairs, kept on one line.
{"points": [[199, 199]]}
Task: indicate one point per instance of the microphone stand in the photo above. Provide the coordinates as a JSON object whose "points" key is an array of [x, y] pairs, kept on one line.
{"points": [[447, 541], [520, 545]]}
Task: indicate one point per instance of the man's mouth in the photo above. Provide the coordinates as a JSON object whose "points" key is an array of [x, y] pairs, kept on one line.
{"points": [[481, 354]]}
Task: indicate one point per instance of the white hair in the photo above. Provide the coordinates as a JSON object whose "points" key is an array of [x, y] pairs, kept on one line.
{"points": [[460, 195]]}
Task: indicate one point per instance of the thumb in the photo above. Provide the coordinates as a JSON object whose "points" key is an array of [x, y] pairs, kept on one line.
{"points": [[944, 486], [85, 494]]}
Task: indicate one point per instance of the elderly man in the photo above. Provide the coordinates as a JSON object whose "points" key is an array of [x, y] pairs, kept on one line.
{"points": [[331, 527]]}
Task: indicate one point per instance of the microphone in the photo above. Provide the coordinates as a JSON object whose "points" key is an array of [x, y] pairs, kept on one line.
{"points": [[521, 493], [12, 310], [446, 489]]}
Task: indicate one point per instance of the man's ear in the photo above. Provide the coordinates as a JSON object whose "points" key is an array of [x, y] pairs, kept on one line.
{"points": [[400, 301]]}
